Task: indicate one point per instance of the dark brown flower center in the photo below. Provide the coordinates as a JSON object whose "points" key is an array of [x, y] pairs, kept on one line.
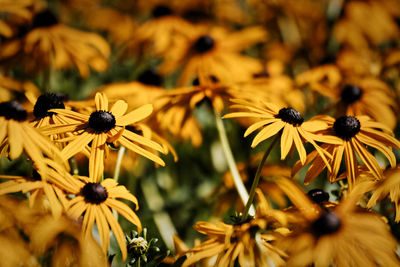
{"points": [[150, 77], [195, 15], [161, 11], [328, 223], [94, 193], [291, 116], [346, 127], [46, 102], [101, 121], [203, 44], [13, 110], [45, 18], [212, 78], [318, 196], [351, 94]]}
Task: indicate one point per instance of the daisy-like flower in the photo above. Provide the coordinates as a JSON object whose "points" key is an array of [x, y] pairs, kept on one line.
{"points": [[176, 106], [158, 34], [17, 135], [340, 236], [101, 127], [43, 104], [273, 120], [50, 43], [12, 89], [11, 8], [95, 201], [367, 23], [227, 243], [354, 134], [214, 52], [46, 189], [145, 90], [273, 86], [390, 186], [353, 91]]}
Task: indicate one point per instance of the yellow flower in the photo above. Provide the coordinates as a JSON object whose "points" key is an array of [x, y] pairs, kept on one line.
{"points": [[17, 8], [52, 44], [355, 134], [95, 201], [101, 127], [17, 135], [176, 106], [159, 34], [367, 23], [389, 186], [272, 120], [353, 92], [272, 86], [214, 52], [341, 236], [47, 189], [227, 243]]}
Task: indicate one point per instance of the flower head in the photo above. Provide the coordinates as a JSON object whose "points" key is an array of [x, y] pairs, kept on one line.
{"points": [[95, 202], [354, 134], [103, 126]]}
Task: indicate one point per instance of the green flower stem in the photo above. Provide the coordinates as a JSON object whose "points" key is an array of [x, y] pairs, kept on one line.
{"points": [[231, 162], [117, 170], [257, 177]]}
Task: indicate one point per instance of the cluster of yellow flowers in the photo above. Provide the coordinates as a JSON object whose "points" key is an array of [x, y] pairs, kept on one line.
{"points": [[320, 77]]}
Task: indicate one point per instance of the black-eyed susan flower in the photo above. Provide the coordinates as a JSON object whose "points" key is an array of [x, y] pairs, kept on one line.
{"points": [[214, 52], [43, 104], [366, 24], [389, 186], [272, 85], [49, 43], [101, 127], [160, 33], [176, 107], [273, 120], [227, 243], [11, 89], [340, 236], [353, 92], [95, 202], [355, 135], [17, 135], [46, 189], [10, 9]]}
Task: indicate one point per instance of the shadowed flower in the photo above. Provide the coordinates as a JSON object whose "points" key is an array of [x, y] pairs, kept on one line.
{"points": [[215, 52], [390, 186], [95, 202], [227, 243], [101, 127], [45, 190], [353, 95], [17, 135], [355, 134], [13, 8], [49, 43], [341, 236]]}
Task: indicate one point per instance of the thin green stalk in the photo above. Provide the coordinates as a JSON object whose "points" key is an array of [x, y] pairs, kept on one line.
{"points": [[117, 170], [231, 162], [257, 178]]}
